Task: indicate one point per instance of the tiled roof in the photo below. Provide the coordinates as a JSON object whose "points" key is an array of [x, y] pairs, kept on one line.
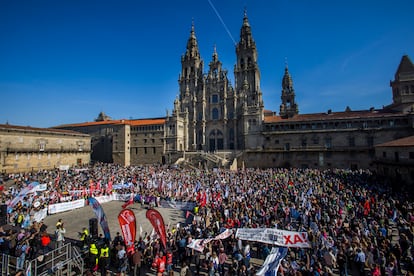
{"points": [[143, 122], [403, 142], [138, 122], [33, 129], [331, 116], [108, 122]]}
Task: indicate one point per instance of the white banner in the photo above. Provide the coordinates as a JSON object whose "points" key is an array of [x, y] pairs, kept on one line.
{"points": [[66, 206], [41, 187], [105, 199], [180, 205], [199, 244], [274, 236], [39, 215], [122, 197], [64, 167]]}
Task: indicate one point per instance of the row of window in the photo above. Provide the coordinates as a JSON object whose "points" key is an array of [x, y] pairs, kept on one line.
{"points": [[404, 90], [145, 141], [150, 150], [327, 142], [397, 155], [337, 125], [29, 156], [148, 128]]}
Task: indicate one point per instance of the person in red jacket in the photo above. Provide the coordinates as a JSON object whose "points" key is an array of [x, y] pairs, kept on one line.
{"points": [[169, 262], [45, 241], [160, 263]]}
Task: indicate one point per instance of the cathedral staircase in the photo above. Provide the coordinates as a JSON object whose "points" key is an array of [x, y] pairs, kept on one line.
{"points": [[194, 159]]}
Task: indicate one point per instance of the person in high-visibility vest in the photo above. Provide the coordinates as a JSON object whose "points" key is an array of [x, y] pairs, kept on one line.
{"points": [[103, 258], [84, 236], [93, 256]]}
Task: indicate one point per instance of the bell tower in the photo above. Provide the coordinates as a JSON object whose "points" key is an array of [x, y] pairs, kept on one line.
{"points": [[288, 108], [190, 83], [403, 86], [247, 85]]}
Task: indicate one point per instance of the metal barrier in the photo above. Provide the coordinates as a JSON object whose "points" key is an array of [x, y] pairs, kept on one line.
{"points": [[63, 261]]}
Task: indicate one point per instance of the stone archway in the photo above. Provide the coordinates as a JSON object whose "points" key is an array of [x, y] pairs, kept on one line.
{"points": [[215, 140]]}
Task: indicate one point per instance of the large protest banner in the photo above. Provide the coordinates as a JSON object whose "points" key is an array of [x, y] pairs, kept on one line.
{"points": [[157, 222], [100, 215], [29, 188], [274, 236], [128, 225]]}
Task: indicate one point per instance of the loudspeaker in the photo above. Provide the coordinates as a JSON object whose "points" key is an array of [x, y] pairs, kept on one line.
{"points": [[93, 228], [3, 214]]}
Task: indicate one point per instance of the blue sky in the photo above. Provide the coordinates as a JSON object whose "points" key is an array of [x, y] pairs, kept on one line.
{"points": [[65, 61]]}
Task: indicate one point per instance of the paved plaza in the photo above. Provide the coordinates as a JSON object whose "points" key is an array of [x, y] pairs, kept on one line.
{"points": [[76, 219]]}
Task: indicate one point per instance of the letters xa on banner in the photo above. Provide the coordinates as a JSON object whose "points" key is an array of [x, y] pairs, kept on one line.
{"points": [[128, 225], [158, 223]]}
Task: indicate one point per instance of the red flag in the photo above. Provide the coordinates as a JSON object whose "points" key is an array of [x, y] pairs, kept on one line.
{"points": [[129, 202], [91, 187], [203, 199], [128, 225], [187, 214], [109, 187], [57, 179], [158, 223]]}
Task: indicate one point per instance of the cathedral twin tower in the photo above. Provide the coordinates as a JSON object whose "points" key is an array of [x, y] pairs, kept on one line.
{"points": [[209, 114]]}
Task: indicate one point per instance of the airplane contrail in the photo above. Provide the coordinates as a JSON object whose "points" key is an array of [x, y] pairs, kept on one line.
{"points": [[222, 22]]}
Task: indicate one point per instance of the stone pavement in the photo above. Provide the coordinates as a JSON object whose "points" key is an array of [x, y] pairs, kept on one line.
{"points": [[76, 219]]}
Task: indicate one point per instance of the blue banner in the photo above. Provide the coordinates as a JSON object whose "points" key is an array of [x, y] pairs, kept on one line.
{"points": [[100, 215], [23, 192], [272, 262]]}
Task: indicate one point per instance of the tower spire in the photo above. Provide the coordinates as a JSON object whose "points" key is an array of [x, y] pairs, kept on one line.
{"points": [[288, 107]]}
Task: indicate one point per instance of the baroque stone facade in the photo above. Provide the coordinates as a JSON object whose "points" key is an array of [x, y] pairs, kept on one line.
{"points": [[25, 149]]}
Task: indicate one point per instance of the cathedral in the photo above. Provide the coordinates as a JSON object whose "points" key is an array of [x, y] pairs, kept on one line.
{"points": [[214, 114], [214, 121]]}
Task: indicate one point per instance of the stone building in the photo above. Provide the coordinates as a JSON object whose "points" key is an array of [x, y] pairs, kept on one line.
{"points": [[30, 149], [211, 115], [125, 142], [395, 159]]}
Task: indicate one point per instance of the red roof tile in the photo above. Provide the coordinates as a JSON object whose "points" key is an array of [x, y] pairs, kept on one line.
{"points": [[403, 142], [49, 130], [331, 116], [138, 122]]}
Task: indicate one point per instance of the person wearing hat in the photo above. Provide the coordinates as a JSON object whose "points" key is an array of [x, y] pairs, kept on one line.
{"points": [[58, 223], [60, 235]]}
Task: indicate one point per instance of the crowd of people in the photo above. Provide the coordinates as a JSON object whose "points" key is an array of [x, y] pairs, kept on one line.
{"points": [[355, 223]]}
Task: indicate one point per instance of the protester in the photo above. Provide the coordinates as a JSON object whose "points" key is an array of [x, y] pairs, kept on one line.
{"points": [[60, 235], [341, 210]]}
